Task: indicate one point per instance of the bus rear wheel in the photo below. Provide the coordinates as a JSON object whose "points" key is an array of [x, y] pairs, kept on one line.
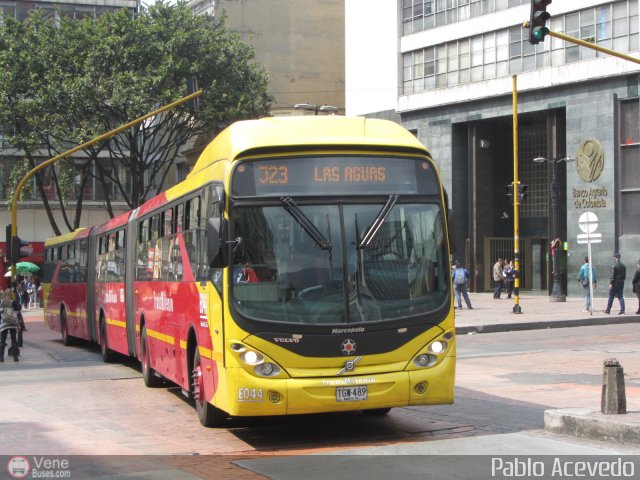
{"points": [[208, 415], [105, 352], [148, 373], [64, 329]]}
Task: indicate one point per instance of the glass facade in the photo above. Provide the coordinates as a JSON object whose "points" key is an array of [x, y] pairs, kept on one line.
{"points": [[629, 167], [508, 51]]}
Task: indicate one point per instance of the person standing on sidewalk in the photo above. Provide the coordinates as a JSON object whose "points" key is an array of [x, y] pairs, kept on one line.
{"points": [[9, 324], [498, 279], [636, 284], [583, 280], [616, 283], [510, 274], [460, 278]]}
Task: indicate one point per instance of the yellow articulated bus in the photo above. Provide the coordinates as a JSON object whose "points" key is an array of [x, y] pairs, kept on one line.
{"points": [[301, 267]]}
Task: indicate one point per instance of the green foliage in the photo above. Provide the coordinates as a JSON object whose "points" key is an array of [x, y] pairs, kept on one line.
{"points": [[67, 81]]}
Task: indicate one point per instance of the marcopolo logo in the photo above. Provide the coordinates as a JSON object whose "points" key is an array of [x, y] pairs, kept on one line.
{"points": [[18, 467]]}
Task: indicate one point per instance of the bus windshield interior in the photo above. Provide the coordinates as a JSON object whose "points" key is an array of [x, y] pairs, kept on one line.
{"points": [[338, 263]]}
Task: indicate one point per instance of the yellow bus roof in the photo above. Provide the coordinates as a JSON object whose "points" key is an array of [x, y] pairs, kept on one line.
{"points": [[305, 131]]}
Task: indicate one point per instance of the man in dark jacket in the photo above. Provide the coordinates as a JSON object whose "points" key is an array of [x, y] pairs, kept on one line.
{"points": [[616, 283]]}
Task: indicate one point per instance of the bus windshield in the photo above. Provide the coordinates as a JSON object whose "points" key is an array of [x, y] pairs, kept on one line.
{"points": [[336, 263]]}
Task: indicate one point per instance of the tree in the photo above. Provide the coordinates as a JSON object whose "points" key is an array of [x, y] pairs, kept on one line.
{"points": [[82, 78]]}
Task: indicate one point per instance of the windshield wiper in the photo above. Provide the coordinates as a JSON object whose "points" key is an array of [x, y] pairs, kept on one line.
{"points": [[308, 226], [372, 231]]}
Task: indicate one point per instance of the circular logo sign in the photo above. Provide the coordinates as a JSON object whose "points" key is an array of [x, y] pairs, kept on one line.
{"points": [[18, 467], [589, 160], [348, 347], [588, 222]]}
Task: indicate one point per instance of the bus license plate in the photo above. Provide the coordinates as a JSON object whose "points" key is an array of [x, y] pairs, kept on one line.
{"points": [[351, 394]]}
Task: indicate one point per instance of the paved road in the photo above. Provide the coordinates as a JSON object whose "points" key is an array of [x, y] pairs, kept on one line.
{"points": [[64, 401]]}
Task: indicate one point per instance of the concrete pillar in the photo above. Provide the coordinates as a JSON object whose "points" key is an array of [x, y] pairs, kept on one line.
{"points": [[614, 399]]}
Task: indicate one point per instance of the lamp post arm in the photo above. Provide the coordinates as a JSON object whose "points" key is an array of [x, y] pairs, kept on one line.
{"points": [[104, 136]]}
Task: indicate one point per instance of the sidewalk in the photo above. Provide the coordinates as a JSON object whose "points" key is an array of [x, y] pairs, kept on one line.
{"points": [[538, 311]]}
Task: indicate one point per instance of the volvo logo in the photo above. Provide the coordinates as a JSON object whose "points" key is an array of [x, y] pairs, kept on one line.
{"points": [[349, 365], [348, 347]]}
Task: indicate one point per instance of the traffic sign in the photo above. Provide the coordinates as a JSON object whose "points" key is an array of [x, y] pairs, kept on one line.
{"points": [[589, 238], [588, 222]]}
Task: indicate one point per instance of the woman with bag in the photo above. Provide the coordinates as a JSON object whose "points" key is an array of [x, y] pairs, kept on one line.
{"points": [[9, 324]]}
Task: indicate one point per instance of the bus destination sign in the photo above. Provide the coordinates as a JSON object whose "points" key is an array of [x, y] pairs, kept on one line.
{"points": [[334, 175]]}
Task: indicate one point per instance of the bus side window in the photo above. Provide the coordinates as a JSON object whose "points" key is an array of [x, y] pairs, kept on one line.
{"points": [[180, 218]]}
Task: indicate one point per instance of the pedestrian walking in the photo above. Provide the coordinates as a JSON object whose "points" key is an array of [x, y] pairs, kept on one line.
{"points": [[498, 278], [9, 325], [556, 243], [510, 274], [616, 283], [461, 277], [584, 280], [636, 285], [31, 292]]}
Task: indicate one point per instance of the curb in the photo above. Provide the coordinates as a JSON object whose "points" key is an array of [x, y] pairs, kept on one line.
{"points": [[581, 422], [539, 325]]}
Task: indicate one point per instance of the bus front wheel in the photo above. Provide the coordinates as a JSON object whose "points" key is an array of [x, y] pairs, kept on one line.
{"points": [[208, 415], [148, 373]]}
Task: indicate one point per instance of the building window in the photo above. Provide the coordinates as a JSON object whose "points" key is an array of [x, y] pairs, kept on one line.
{"points": [[506, 52], [629, 170], [419, 15]]}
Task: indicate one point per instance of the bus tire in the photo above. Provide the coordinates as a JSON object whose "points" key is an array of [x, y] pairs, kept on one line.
{"points": [[149, 376], [64, 329], [208, 415], [376, 412], [105, 352]]}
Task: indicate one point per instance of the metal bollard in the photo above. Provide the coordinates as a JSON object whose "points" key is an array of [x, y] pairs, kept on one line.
{"points": [[614, 399]]}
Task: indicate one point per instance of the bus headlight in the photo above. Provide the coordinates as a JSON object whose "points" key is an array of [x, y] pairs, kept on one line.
{"points": [[438, 346], [267, 369], [251, 358], [424, 360]]}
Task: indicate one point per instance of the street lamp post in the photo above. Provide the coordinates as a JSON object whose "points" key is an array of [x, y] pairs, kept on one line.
{"points": [[557, 295], [328, 109]]}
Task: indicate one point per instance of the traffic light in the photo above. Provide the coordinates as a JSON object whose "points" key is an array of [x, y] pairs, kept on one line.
{"points": [[522, 192], [16, 253], [537, 21], [509, 193]]}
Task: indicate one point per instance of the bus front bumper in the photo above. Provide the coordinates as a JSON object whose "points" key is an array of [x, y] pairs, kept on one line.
{"points": [[248, 395]]}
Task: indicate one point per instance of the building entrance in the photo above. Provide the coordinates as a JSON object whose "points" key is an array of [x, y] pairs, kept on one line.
{"points": [[481, 171]]}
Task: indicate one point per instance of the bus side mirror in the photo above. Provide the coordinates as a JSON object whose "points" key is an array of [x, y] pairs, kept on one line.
{"points": [[217, 254]]}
